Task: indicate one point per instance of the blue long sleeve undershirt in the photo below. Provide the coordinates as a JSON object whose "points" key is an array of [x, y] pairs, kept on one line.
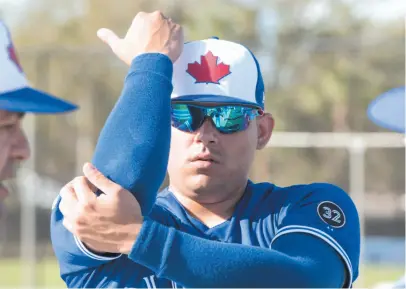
{"points": [[133, 151], [133, 146], [196, 262]]}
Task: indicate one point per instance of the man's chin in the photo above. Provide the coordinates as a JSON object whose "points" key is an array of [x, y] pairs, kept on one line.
{"points": [[3, 195], [203, 182], [2, 211]]}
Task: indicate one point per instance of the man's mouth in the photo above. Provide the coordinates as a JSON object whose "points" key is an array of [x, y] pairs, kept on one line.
{"points": [[3, 192], [204, 157]]}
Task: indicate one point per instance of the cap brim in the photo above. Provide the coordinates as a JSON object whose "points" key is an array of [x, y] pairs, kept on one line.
{"points": [[34, 101], [388, 110], [214, 99]]}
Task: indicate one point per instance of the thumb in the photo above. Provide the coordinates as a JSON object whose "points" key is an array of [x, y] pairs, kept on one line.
{"points": [[109, 37], [101, 182]]}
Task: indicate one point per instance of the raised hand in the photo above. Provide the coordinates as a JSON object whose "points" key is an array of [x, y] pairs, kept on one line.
{"points": [[148, 33]]}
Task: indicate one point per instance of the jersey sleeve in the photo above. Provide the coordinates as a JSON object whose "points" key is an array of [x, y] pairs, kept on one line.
{"points": [[72, 254], [324, 211]]}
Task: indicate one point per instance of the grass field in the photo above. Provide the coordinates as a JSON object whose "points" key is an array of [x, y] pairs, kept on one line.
{"points": [[48, 274]]}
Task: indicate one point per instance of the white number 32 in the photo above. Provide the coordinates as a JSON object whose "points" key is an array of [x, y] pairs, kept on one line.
{"points": [[333, 215]]}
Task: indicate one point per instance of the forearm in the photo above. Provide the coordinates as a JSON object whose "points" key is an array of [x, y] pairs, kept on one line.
{"points": [[133, 146], [196, 262]]}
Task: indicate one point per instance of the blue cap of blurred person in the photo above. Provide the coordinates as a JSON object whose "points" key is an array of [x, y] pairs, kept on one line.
{"points": [[388, 110], [16, 94]]}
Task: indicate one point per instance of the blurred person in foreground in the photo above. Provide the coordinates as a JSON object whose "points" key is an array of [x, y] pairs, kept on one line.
{"points": [[16, 99], [196, 110], [388, 111]]}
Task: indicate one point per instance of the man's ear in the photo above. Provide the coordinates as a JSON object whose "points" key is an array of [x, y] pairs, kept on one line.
{"points": [[265, 124]]}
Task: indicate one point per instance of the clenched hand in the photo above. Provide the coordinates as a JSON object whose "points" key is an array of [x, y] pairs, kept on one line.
{"points": [[107, 223]]}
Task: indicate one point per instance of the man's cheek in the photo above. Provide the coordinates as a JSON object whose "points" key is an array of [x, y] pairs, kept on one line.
{"points": [[4, 151], [4, 145]]}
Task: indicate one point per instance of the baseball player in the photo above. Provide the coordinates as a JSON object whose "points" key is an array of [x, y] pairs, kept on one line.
{"points": [[200, 116], [16, 99]]}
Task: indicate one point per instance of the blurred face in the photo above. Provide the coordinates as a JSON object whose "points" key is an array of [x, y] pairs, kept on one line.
{"points": [[206, 161], [13, 148]]}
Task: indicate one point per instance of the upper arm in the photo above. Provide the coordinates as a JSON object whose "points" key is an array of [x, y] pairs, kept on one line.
{"points": [[321, 223], [319, 262]]}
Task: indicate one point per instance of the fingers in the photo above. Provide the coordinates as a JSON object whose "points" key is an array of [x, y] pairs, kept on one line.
{"points": [[159, 14], [149, 32], [156, 14], [69, 207], [99, 180], [84, 193], [77, 203], [110, 38], [68, 199]]}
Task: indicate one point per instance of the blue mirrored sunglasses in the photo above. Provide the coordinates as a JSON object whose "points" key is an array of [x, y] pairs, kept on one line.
{"points": [[226, 119]]}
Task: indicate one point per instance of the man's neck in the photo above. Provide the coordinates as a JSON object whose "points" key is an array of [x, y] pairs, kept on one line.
{"points": [[210, 212]]}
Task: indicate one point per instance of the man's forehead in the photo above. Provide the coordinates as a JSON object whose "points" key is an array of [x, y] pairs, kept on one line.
{"points": [[9, 115]]}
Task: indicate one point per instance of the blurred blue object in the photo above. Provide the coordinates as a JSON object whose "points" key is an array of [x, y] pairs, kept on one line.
{"points": [[388, 110]]}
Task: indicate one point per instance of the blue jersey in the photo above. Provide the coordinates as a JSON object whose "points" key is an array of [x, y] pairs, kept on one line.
{"points": [[267, 216]]}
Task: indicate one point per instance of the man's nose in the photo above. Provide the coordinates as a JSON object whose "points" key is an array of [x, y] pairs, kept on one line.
{"points": [[207, 133]]}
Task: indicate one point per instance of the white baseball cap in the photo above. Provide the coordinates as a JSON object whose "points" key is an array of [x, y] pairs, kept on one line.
{"points": [[388, 110], [15, 92], [217, 71]]}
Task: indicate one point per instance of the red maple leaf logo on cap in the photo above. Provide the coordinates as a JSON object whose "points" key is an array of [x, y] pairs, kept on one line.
{"points": [[208, 70], [13, 57]]}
